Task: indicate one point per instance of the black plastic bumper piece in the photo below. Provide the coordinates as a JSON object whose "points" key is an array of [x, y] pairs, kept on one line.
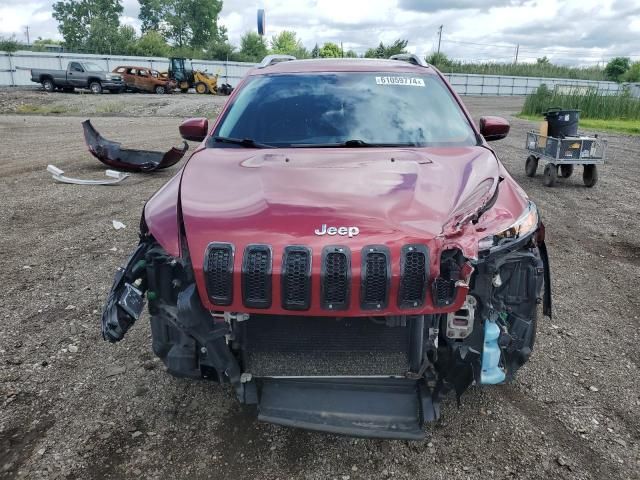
{"points": [[361, 407]]}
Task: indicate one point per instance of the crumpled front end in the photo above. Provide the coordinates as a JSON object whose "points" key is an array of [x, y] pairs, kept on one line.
{"points": [[457, 321]]}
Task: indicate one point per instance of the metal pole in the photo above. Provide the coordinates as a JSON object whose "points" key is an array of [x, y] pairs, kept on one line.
{"points": [[439, 37], [517, 49], [13, 83]]}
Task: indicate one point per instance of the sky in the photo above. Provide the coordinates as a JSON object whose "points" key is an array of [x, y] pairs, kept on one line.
{"points": [[572, 32]]}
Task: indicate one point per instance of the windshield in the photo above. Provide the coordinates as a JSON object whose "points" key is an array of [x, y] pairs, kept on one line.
{"points": [[302, 110], [91, 67]]}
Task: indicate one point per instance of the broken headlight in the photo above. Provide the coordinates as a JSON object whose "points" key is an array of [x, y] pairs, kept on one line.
{"points": [[526, 224]]}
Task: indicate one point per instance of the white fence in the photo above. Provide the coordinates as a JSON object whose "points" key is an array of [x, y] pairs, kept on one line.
{"points": [[15, 71], [502, 85]]}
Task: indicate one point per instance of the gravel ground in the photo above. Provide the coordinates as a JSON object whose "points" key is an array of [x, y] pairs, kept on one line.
{"points": [[73, 406]]}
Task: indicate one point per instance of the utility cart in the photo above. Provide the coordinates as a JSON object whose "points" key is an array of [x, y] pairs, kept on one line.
{"points": [[560, 145], [563, 154]]}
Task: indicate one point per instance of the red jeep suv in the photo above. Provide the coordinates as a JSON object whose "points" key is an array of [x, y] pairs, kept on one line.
{"points": [[343, 249]]}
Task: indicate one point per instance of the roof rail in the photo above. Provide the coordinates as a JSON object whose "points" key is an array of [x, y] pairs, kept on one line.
{"points": [[411, 58], [273, 59]]}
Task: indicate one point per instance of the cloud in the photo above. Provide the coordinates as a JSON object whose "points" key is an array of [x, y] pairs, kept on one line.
{"points": [[567, 31], [438, 5]]}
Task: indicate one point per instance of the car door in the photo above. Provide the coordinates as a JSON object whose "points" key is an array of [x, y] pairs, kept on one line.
{"points": [[122, 71], [144, 81], [75, 75]]}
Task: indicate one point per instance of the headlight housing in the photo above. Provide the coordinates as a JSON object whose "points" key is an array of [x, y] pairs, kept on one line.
{"points": [[526, 224]]}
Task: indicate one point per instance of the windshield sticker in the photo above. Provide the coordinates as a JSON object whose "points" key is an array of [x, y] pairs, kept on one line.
{"points": [[411, 82]]}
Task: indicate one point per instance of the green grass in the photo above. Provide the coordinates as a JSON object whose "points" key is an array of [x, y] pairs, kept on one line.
{"points": [[524, 70], [631, 127], [28, 108], [110, 107], [591, 103]]}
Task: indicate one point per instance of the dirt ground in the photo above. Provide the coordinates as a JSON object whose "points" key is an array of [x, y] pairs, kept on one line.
{"points": [[73, 406]]}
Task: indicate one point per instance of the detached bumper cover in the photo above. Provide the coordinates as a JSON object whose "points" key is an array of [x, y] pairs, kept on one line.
{"points": [[112, 154]]}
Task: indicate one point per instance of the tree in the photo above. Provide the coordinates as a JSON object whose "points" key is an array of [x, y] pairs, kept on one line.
{"points": [[78, 18], [253, 47], [315, 52], [438, 59], [103, 38], [350, 54], [150, 15], [616, 68], [287, 43], [9, 44], [192, 23], [152, 44], [382, 51], [543, 61], [220, 50], [633, 74], [40, 44], [330, 50]]}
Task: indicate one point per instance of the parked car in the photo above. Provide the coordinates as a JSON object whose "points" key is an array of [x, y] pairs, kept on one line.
{"points": [[343, 248], [78, 75], [142, 79]]}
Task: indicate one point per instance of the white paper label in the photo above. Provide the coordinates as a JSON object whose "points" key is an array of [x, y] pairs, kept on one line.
{"points": [[408, 81]]}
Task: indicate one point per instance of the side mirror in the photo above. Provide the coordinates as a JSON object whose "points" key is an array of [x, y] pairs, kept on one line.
{"points": [[194, 129], [494, 128]]}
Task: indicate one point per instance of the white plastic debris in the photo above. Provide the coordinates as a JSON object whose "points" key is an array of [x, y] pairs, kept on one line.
{"points": [[58, 175], [118, 225]]}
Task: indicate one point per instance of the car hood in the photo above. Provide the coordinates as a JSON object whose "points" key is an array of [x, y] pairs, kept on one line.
{"points": [[247, 196]]}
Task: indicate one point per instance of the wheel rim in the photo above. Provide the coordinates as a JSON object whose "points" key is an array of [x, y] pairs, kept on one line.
{"points": [[95, 88], [159, 90], [48, 85], [201, 88]]}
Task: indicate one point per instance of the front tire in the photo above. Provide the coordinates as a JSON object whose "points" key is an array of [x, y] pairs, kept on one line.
{"points": [[160, 90], [531, 166], [95, 87], [590, 175], [201, 87], [48, 85], [550, 175]]}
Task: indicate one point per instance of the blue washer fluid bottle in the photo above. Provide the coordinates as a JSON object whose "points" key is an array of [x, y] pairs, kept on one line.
{"points": [[491, 371]]}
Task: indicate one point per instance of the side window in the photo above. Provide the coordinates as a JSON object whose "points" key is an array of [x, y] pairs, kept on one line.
{"points": [[120, 70], [133, 71], [142, 73], [76, 67]]}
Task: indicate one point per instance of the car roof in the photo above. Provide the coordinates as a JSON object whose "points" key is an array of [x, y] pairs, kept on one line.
{"points": [[343, 65]]}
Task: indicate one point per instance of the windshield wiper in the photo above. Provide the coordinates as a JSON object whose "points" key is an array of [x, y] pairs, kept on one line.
{"points": [[353, 143], [243, 142]]}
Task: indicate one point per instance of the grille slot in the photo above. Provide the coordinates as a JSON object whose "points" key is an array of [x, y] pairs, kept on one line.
{"points": [[296, 278], [444, 287], [256, 276], [414, 271], [335, 278], [375, 277], [218, 269]]}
